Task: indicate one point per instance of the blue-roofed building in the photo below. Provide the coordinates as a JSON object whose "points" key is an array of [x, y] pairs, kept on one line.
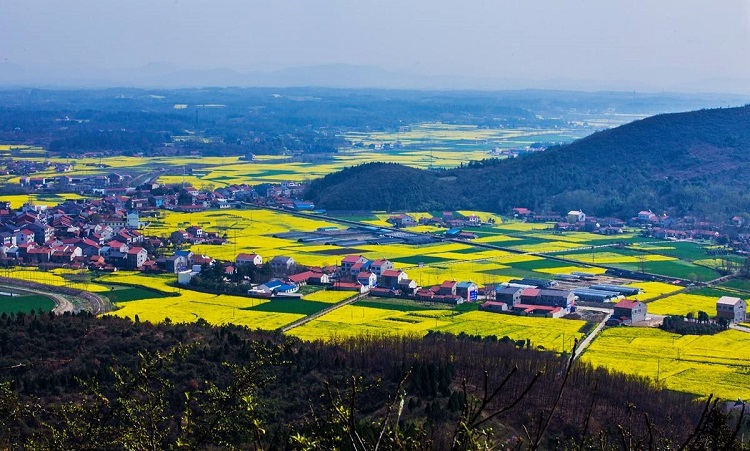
{"points": [[467, 290], [277, 286], [453, 233], [303, 205]]}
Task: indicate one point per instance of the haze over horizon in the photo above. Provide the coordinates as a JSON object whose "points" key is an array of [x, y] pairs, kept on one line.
{"points": [[697, 46]]}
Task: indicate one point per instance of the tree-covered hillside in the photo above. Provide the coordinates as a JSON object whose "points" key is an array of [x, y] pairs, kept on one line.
{"points": [[681, 163], [79, 382]]}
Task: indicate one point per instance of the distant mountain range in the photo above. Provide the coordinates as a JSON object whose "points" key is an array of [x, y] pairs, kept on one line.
{"points": [[165, 75], [681, 163]]}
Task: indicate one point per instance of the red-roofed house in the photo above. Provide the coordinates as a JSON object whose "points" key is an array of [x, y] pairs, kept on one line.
{"points": [[522, 212], [538, 310], [65, 254], [349, 261], [529, 295], [367, 279], [447, 288], [378, 266], [136, 257], [301, 278], [634, 311], [349, 286], [494, 306], [391, 278], [248, 259]]}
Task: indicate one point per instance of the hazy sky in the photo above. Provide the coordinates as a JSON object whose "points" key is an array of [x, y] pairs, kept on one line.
{"points": [[658, 42]]}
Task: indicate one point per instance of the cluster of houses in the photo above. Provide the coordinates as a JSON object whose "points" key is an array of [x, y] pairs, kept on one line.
{"points": [[733, 232], [447, 219], [110, 183], [26, 167], [66, 236]]}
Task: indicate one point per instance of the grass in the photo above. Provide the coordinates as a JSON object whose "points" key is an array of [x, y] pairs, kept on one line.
{"points": [[675, 268], [289, 305], [27, 303], [718, 364], [740, 284]]}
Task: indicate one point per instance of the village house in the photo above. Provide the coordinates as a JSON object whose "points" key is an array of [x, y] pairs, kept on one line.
{"points": [[467, 290], [575, 216], [447, 288], [402, 220], [175, 263], [378, 266], [732, 309], [248, 259], [367, 279], [282, 264], [391, 278], [494, 306], [349, 261], [630, 311], [509, 295]]}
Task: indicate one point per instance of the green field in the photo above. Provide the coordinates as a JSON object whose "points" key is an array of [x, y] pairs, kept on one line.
{"points": [[740, 284], [126, 294], [27, 303]]}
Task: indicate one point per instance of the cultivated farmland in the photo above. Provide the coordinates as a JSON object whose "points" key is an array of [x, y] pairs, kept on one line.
{"points": [[700, 364]]}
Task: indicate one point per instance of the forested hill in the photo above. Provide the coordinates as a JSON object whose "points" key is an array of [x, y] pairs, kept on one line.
{"points": [[682, 163]]}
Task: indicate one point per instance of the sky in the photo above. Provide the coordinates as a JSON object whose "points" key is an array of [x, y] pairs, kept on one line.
{"points": [[655, 44]]}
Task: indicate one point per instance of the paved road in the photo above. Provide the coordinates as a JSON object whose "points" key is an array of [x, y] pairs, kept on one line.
{"points": [[739, 328], [594, 333]]}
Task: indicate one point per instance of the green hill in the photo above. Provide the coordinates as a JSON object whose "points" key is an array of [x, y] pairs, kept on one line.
{"points": [[681, 163]]}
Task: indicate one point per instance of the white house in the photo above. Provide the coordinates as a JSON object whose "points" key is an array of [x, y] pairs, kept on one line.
{"points": [[367, 279], [282, 264], [576, 216], [732, 309], [248, 259]]}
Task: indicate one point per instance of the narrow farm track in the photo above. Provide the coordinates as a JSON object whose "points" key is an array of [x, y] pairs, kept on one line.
{"points": [[309, 318], [594, 333]]}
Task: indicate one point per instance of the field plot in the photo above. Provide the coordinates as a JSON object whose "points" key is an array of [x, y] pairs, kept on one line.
{"points": [[58, 278], [682, 304], [718, 364], [189, 306], [25, 303], [17, 200], [409, 318], [330, 297]]}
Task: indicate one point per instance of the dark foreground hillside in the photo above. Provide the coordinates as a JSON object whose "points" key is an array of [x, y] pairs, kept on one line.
{"points": [[78, 382], [682, 163]]}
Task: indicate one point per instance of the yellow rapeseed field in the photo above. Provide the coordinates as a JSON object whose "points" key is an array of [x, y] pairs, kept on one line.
{"points": [[683, 303], [650, 290], [353, 320], [570, 269], [700, 364], [189, 306], [612, 257], [329, 296]]}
